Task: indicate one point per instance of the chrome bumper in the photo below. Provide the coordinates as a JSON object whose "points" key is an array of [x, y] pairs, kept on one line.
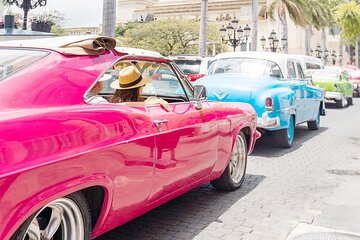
{"points": [[266, 122], [334, 95]]}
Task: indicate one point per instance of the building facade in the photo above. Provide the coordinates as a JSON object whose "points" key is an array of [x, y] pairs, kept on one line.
{"points": [[222, 12]]}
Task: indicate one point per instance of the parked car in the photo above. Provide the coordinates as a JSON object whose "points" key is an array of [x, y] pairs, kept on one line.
{"points": [[309, 62], [73, 170], [193, 66], [336, 84], [354, 76], [274, 84]]}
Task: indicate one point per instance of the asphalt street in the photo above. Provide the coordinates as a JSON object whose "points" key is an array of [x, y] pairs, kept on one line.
{"points": [[287, 194]]}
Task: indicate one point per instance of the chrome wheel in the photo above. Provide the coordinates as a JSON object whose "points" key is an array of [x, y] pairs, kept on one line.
{"points": [[238, 160], [61, 219]]}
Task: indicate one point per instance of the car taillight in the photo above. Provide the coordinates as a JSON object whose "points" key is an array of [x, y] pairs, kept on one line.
{"points": [[269, 104], [194, 77]]}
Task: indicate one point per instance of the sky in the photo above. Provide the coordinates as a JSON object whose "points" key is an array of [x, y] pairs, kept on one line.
{"points": [[78, 13]]}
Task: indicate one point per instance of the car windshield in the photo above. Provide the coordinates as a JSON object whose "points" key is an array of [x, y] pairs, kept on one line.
{"points": [[246, 65], [163, 81], [189, 66], [12, 60], [325, 75]]}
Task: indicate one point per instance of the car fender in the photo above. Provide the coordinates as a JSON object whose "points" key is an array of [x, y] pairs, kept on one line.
{"points": [[284, 100], [44, 196]]}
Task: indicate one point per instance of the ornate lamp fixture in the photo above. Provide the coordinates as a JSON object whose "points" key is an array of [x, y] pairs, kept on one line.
{"points": [[273, 42], [27, 5], [236, 35]]}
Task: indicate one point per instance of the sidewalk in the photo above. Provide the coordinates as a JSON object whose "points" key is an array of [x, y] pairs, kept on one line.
{"points": [[340, 217]]}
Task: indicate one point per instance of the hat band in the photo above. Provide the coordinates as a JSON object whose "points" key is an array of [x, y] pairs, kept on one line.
{"points": [[132, 83]]}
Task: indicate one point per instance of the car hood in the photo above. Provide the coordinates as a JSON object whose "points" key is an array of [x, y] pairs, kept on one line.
{"points": [[233, 87]]}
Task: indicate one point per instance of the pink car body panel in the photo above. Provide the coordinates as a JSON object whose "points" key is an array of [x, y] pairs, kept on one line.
{"points": [[52, 143]]}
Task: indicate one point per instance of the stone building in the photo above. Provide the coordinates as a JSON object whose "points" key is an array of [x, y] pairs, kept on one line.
{"points": [[222, 12]]}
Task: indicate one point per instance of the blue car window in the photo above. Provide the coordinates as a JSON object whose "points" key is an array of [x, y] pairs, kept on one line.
{"points": [[291, 70], [273, 70], [300, 71]]}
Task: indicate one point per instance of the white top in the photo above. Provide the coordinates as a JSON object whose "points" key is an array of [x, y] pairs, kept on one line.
{"points": [[92, 98]]}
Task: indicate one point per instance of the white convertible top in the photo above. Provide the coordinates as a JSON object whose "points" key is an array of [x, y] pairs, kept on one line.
{"points": [[69, 45]]}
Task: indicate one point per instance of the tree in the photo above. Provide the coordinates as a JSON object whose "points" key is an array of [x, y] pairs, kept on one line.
{"points": [[294, 8], [167, 36], [347, 16], [319, 14], [203, 28], [109, 18], [254, 16]]}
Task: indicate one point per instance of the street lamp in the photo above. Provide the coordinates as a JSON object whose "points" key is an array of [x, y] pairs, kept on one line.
{"points": [[273, 42], [240, 36], [27, 5]]}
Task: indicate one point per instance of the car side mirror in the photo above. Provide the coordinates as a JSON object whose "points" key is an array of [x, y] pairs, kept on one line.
{"points": [[200, 92]]}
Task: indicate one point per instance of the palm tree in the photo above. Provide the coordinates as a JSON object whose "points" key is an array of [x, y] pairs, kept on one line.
{"points": [[109, 18], [255, 15], [347, 16], [203, 28], [295, 9]]}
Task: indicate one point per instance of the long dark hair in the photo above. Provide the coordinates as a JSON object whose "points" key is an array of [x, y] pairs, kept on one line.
{"points": [[126, 95]]}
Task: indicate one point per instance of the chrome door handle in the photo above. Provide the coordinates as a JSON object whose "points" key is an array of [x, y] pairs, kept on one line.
{"points": [[159, 122]]}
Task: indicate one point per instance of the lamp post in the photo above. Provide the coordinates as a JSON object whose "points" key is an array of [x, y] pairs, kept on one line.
{"points": [[27, 5], [325, 54], [236, 35], [273, 42]]}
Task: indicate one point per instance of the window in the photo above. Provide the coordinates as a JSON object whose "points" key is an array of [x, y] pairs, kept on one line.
{"points": [[300, 72], [273, 70], [313, 66], [12, 60], [239, 65], [291, 70], [189, 66], [164, 81]]}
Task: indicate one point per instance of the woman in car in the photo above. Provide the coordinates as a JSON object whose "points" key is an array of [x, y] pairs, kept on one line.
{"points": [[129, 88]]}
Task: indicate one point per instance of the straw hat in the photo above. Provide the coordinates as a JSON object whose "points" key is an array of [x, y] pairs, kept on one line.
{"points": [[129, 77]]}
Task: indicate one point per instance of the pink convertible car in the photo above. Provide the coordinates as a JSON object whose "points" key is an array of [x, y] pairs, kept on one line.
{"points": [[73, 170]]}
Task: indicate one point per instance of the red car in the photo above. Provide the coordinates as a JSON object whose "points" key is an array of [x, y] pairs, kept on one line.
{"points": [[354, 76], [193, 66], [72, 170]]}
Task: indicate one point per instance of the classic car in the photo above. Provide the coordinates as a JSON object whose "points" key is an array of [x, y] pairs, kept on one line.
{"points": [[354, 76], [73, 170], [336, 85], [194, 67], [274, 84]]}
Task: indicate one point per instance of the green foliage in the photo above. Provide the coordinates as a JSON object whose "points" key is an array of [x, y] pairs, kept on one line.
{"points": [[347, 16], [51, 17], [58, 30], [295, 9], [120, 30], [165, 36]]}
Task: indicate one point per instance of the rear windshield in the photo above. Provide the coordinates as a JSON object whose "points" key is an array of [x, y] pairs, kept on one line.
{"points": [[247, 66], [12, 60], [189, 66]]}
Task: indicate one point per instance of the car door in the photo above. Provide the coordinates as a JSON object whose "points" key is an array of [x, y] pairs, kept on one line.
{"points": [[186, 139], [311, 101], [298, 87]]}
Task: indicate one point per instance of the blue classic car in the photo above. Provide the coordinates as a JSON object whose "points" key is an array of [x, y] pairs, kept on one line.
{"points": [[274, 84]]}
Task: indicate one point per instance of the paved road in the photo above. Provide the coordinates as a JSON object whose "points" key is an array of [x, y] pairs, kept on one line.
{"points": [[283, 188]]}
